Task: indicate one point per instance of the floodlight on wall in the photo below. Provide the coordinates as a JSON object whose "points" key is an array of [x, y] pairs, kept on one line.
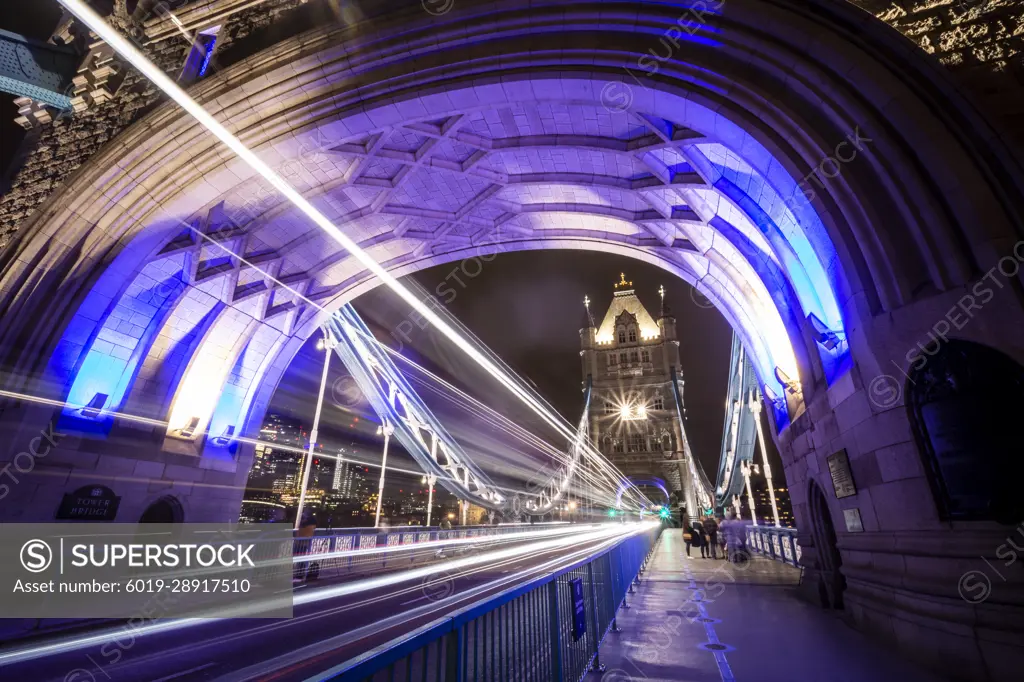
{"points": [[95, 406], [784, 379], [822, 334]]}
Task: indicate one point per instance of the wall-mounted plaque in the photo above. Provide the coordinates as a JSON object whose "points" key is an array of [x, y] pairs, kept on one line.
{"points": [[842, 477], [853, 521], [89, 503], [579, 622]]}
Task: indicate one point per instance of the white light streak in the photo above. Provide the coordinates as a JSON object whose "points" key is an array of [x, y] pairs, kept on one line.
{"points": [[307, 597], [126, 50]]}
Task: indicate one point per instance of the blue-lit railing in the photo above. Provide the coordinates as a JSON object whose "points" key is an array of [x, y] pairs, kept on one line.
{"points": [[774, 543], [530, 631]]}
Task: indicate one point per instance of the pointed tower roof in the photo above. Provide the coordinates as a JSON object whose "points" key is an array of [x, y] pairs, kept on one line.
{"points": [[588, 318], [665, 311], [625, 300]]}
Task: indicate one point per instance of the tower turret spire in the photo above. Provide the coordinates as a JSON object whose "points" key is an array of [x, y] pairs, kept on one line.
{"points": [[588, 318]]}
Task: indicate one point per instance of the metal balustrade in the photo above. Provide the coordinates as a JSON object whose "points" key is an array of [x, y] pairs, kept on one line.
{"points": [[779, 544], [353, 551], [525, 634], [309, 552]]}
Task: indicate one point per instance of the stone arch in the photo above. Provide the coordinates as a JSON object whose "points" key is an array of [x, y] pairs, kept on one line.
{"points": [[646, 481], [828, 563], [863, 257], [165, 509], [964, 402]]}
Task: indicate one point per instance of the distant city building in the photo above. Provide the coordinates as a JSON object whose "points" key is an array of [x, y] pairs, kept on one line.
{"points": [[340, 492], [764, 507], [350, 481], [476, 516]]}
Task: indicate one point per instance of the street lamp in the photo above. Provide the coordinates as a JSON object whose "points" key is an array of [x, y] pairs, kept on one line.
{"points": [[755, 407], [430, 480], [324, 344], [747, 468], [386, 430]]}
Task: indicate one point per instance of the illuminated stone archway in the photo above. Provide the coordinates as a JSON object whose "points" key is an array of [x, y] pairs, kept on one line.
{"points": [[834, 197]]}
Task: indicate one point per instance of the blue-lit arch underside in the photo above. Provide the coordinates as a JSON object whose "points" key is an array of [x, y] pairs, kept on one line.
{"points": [[197, 358], [637, 482]]}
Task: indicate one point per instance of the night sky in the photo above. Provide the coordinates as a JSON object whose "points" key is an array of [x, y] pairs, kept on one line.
{"points": [[527, 306]]}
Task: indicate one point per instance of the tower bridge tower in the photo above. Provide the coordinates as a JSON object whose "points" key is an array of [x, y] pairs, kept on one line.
{"points": [[636, 400]]}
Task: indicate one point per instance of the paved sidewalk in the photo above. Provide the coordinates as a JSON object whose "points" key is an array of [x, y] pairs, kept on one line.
{"points": [[704, 620]]}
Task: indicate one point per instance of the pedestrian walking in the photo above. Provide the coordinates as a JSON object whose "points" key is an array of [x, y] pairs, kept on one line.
{"points": [[734, 531]]}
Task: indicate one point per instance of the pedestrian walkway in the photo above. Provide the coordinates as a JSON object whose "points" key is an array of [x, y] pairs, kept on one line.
{"points": [[705, 620]]}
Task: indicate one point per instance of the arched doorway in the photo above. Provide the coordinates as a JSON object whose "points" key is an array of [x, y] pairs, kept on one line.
{"points": [[964, 403], [831, 582], [167, 509]]}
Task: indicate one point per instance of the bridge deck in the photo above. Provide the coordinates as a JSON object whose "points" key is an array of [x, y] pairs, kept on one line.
{"points": [[769, 635]]}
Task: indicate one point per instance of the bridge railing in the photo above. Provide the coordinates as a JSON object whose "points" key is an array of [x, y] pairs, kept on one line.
{"points": [[780, 544], [315, 556], [550, 628]]}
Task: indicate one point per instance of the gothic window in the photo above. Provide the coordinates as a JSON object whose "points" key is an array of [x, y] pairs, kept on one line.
{"points": [[632, 334], [659, 404], [645, 356], [607, 445], [617, 445], [634, 357], [636, 443], [622, 336], [964, 403], [613, 359], [622, 358]]}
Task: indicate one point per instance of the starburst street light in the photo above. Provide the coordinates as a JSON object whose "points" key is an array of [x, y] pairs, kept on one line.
{"points": [[632, 412]]}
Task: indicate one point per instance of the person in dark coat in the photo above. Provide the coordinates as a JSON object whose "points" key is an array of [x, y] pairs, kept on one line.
{"points": [[697, 533], [711, 531], [688, 536]]}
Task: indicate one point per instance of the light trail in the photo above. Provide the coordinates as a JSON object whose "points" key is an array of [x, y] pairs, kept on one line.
{"points": [[564, 528], [128, 51], [614, 530], [310, 597], [306, 654], [609, 477], [255, 441], [303, 654], [242, 439]]}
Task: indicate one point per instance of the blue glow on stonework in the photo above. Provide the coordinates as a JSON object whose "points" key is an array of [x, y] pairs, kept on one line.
{"points": [[222, 440], [206, 58], [232, 408], [116, 353], [802, 263]]}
